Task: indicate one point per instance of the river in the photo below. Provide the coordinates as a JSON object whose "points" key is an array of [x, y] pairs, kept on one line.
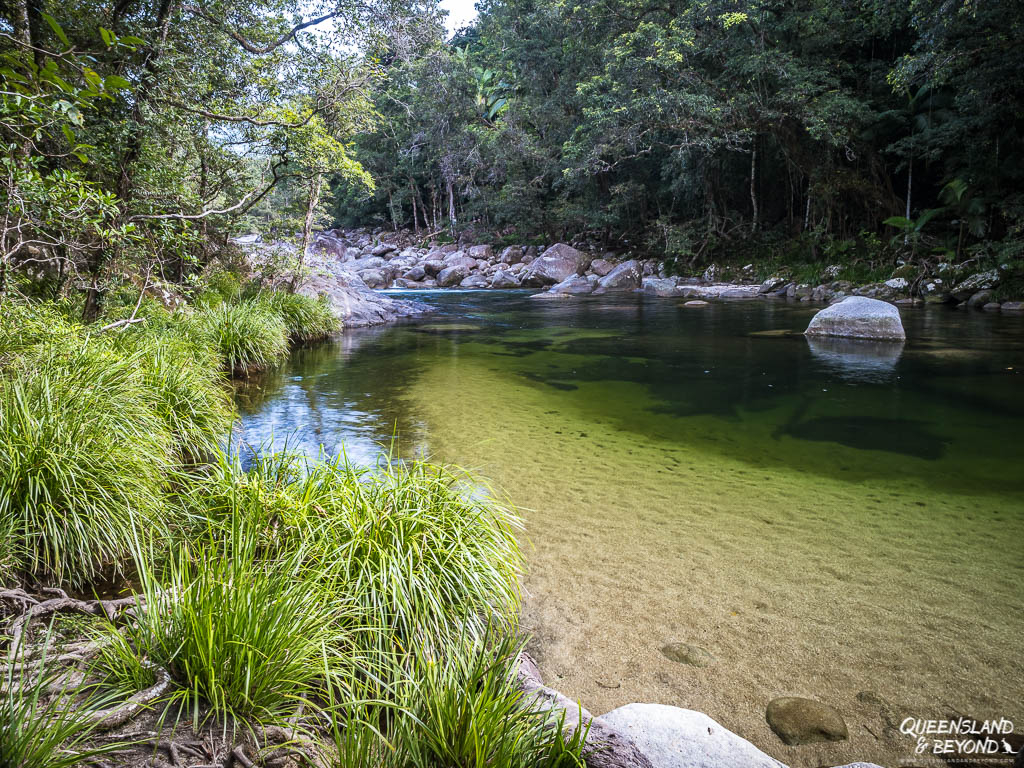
{"points": [[837, 520]]}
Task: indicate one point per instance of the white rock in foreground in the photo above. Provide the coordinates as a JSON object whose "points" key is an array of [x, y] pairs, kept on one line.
{"points": [[857, 317], [672, 737]]}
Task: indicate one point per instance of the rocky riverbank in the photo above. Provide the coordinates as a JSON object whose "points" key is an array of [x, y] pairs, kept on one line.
{"points": [[382, 260]]}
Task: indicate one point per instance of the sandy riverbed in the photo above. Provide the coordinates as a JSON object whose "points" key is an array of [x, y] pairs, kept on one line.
{"points": [[883, 597]]}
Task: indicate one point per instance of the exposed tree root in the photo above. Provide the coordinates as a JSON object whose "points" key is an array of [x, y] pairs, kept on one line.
{"points": [[114, 717], [111, 609]]}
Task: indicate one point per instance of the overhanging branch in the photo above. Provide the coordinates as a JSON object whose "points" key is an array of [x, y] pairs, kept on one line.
{"points": [[250, 46]]}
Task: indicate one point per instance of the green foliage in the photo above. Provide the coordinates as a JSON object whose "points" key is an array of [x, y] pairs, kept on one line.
{"points": [[467, 709], [244, 633], [187, 389], [23, 325], [83, 458], [248, 335], [463, 708], [307, 319], [424, 554], [686, 129]]}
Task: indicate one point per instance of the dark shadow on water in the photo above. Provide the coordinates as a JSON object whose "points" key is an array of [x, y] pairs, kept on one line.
{"points": [[560, 385], [905, 436]]}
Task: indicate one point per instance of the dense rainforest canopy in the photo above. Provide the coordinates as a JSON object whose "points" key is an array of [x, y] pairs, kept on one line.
{"points": [[139, 134], [686, 127]]}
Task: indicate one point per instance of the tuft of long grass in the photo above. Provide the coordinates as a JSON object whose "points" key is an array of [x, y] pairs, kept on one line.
{"points": [[248, 336], [10, 555], [26, 324], [243, 632], [424, 552], [83, 457], [425, 548], [43, 729], [308, 319], [464, 709], [185, 385]]}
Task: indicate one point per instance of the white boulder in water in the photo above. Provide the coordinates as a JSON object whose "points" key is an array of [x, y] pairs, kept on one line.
{"points": [[672, 737], [857, 317]]}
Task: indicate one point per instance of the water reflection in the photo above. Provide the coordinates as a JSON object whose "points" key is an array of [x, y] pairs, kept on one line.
{"points": [[321, 402], [857, 359]]}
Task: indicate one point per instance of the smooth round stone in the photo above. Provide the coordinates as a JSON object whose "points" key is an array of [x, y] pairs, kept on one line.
{"points": [[685, 653], [696, 303], [803, 721]]}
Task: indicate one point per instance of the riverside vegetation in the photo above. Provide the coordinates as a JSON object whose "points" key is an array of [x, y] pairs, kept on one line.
{"points": [[302, 610]]}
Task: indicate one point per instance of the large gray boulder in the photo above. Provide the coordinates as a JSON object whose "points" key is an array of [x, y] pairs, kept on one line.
{"points": [[626, 276], [484, 252], [798, 721], [771, 285], [672, 737], [374, 278], [355, 303], [474, 281], [460, 259], [433, 267], [857, 317], [601, 267], [370, 262], [512, 255], [452, 276], [575, 285], [503, 279], [327, 244], [739, 292], [660, 286], [980, 281], [557, 263]]}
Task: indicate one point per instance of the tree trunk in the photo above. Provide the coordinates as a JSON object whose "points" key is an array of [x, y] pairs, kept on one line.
{"points": [[20, 22], [451, 209], [753, 185], [415, 219], [307, 227], [910, 183]]}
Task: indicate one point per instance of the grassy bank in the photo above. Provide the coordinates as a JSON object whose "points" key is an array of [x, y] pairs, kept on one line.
{"points": [[309, 611]]}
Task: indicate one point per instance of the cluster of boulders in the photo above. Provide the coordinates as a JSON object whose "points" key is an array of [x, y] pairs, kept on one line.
{"points": [[386, 264], [559, 270], [393, 260]]}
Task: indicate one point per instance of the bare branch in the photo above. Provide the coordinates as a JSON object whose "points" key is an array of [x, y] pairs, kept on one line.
{"points": [[241, 206], [252, 47]]}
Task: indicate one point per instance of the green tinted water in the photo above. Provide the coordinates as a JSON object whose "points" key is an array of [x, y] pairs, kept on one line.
{"points": [[829, 519]]}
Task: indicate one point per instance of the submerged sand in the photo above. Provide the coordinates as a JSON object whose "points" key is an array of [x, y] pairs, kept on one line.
{"points": [[883, 594]]}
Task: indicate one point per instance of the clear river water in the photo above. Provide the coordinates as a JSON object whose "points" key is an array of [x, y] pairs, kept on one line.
{"points": [[837, 520]]}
